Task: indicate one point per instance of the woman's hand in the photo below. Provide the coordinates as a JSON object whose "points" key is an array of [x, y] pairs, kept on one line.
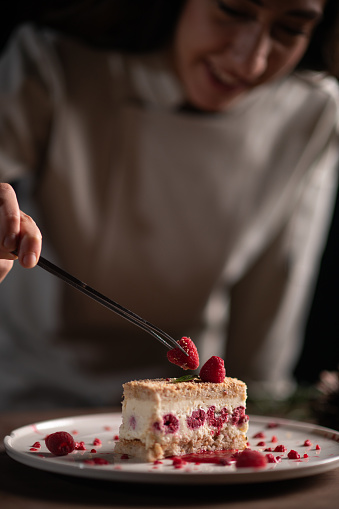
{"points": [[18, 232]]}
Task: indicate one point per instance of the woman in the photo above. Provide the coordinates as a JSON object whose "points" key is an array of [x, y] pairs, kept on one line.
{"points": [[191, 180]]}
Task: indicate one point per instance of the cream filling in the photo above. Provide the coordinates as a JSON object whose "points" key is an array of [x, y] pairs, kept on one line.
{"points": [[139, 418]]}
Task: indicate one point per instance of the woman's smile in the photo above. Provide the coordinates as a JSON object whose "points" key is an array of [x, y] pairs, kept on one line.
{"points": [[224, 48], [224, 81]]}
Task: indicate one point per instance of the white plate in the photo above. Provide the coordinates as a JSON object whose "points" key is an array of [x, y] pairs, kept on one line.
{"points": [[106, 426]]}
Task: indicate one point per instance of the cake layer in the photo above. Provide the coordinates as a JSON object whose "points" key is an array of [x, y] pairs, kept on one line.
{"points": [[162, 418], [154, 388]]}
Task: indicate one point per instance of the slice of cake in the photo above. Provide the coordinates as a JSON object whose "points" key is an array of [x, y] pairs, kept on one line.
{"points": [[161, 418]]}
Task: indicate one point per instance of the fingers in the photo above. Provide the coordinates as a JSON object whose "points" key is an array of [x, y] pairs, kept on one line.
{"points": [[30, 242], [9, 221], [5, 267], [18, 232]]}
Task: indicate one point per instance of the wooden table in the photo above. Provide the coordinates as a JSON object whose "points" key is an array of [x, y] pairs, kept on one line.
{"points": [[23, 487]]}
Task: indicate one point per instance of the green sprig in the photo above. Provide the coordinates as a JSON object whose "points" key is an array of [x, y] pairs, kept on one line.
{"points": [[185, 378]]}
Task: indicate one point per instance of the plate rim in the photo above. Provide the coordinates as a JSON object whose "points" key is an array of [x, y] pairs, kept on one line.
{"points": [[242, 476]]}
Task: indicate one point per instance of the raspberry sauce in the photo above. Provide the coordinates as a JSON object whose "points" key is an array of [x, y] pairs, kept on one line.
{"points": [[225, 457]]}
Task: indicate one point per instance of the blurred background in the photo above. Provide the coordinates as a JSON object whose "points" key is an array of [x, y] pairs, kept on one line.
{"points": [[321, 343]]}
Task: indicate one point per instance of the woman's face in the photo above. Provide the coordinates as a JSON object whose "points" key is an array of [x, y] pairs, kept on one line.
{"points": [[224, 48]]}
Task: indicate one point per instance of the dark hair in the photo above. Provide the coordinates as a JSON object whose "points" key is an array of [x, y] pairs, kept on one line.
{"points": [[127, 25], [322, 53], [146, 25]]}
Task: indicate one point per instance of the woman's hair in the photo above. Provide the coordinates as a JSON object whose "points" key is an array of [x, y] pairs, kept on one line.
{"points": [[322, 53], [128, 25], [147, 25]]}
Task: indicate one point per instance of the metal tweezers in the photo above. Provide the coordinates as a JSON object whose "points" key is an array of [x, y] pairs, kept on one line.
{"points": [[110, 304]]}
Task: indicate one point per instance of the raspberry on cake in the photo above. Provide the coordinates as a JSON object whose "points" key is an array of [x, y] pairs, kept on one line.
{"points": [[189, 361], [161, 418], [213, 370]]}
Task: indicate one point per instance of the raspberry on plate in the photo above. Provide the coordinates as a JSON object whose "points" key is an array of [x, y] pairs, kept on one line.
{"points": [[60, 443], [251, 459], [213, 370], [176, 356]]}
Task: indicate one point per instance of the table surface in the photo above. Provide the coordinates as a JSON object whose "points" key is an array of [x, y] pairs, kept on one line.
{"points": [[23, 487]]}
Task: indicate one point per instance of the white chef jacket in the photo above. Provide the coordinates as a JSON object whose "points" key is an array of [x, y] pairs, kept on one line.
{"points": [[207, 225]]}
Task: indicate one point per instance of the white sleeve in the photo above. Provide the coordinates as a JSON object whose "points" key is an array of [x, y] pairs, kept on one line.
{"points": [[270, 304], [27, 93]]}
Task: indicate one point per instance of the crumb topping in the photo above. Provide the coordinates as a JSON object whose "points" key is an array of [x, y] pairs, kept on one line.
{"points": [[153, 388]]}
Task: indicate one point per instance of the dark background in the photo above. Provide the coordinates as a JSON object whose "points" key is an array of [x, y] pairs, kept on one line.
{"points": [[321, 345]]}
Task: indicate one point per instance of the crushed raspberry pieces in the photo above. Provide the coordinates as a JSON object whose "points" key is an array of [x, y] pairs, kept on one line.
{"points": [[171, 423], [280, 448], [251, 459], [60, 443], [307, 443], [97, 461], [80, 446], [305, 456], [197, 419], [261, 444], [274, 439], [178, 462], [97, 441], [116, 437], [36, 445], [213, 370], [293, 455], [273, 459], [271, 425], [317, 448], [260, 434], [176, 356]]}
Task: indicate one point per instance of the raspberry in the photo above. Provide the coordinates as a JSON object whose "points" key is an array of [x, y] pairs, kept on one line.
{"points": [[132, 422], [60, 443], [293, 455], [239, 416], [176, 356], [171, 423], [280, 448], [213, 370], [249, 458], [217, 421], [197, 419]]}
